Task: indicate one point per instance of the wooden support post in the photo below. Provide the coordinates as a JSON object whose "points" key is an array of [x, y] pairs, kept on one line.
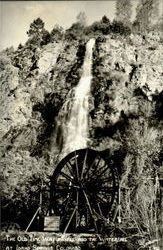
{"points": [[32, 219], [119, 204]]}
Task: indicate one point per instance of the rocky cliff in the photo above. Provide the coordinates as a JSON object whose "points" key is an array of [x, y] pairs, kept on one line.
{"points": [[124, 110]]}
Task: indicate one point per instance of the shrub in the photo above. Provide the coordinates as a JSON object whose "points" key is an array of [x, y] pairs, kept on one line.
{"points": [[56, 33], [100, 27], [120, 28]]}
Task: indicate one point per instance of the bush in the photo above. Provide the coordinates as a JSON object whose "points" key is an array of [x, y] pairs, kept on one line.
{"points": [[141, 165], [21, 185], [120, 28], [100, 27], [75, 32]]}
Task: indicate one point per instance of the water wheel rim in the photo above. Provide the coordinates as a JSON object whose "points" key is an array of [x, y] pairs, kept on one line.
{"points": [[83, 181]]}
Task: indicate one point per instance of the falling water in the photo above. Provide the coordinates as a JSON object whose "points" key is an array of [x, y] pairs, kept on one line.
{"points": [[76, 129]]}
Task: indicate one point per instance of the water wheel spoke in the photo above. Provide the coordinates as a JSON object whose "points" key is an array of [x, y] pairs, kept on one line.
{"points": [[99, 208], [99, 173], [77, 207], [99, 214], [96, 173], [67, 177], [102, 178], [101, 200], [90, 209], [77, 167], [62, 186], [84, 163], [90, 167], [69, 166]]}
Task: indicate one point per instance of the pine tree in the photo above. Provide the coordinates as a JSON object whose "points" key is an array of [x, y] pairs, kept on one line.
{"points": [[20, 46], [147, 14], [35, 27], [37, 33], [105, 20], [56, 33], [123, 11]]}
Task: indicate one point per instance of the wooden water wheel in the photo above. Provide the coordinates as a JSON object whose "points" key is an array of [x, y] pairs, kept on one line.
{"points": [[83, 191]]}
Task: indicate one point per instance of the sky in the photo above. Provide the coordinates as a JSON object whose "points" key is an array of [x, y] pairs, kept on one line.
{"points": [[16, 16]]}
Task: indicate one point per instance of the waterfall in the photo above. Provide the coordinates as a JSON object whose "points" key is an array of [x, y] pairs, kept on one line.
{"points": [[76, 131]]}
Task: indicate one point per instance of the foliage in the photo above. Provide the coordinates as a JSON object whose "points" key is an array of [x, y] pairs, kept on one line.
{"points": [[38, 36], [20, 46], [75, 32], [8, 52], [21, 185], [100, 27], [46, 38], [141, 165], [82, 18], [25, 59], [56, 33], [35, 27], [147, 14], [123, 11], [158, 106], [119, 28]]}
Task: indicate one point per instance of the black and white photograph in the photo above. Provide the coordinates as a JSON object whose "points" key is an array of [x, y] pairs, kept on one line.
{"points": [[81, 125]]}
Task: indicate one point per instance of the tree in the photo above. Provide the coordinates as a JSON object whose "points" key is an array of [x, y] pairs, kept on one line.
{"points": [[56, 33], [45, 37], [99, 27], [147, 14], [77, 29], [123, 11], [20, 46], [36, 27], [105, 20], [118, 27], [82, 18], [38, 35], [106, 26]]}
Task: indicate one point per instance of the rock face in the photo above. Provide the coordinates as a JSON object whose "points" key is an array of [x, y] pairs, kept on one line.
{"points": [[127, 75], [49, 57], [127, 67], [35, 84]]}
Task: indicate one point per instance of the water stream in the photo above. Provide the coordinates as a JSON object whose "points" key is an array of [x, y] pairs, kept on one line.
{"points": [[76, 130]]}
